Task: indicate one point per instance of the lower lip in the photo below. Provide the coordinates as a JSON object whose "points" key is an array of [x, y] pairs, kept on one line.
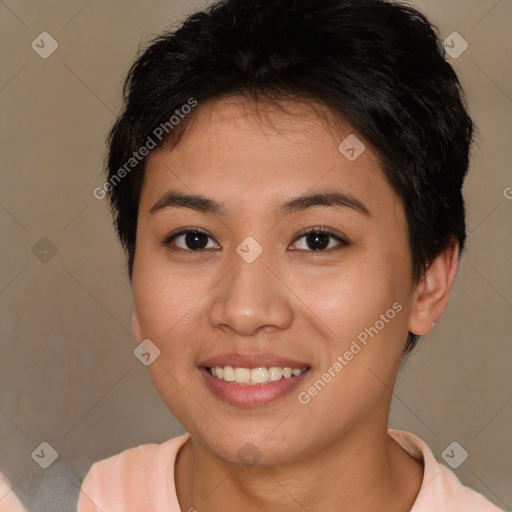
{"points": [[251, 395]]}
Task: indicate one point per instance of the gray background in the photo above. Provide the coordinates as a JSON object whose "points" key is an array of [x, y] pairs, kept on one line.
{"points": [[67, 369]]}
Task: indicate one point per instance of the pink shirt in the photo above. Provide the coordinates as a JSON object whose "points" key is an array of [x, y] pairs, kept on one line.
{"points": [[141, 479]]}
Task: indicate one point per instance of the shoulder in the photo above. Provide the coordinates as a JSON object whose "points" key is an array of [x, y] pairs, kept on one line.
{"points": [[132, 478], [441, 490], [8, 499]]}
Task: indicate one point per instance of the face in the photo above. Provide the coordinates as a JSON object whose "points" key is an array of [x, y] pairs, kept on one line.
{"points": [[249, 276]]}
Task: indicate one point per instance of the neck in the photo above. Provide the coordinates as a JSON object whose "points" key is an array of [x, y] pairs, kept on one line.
{"points": [[364, 470]]}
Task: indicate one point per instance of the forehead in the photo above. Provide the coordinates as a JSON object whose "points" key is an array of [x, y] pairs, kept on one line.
{"points": [[239, 150]]}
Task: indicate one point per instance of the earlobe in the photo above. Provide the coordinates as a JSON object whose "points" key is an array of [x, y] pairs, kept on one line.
{"points": [[432, 293], [136, 326]]}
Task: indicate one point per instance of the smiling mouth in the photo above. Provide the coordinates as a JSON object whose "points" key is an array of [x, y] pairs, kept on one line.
{"points": [[259, 375]]}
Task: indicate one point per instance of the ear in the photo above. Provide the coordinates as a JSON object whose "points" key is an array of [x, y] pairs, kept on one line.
{"points": [[136, 326], [432, 293]]}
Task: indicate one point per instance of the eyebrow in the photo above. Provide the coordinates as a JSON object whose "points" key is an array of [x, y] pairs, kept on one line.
{"points": [[336, 198]]}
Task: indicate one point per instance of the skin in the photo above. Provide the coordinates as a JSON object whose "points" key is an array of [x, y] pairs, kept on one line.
{"points": [[333, 453]]}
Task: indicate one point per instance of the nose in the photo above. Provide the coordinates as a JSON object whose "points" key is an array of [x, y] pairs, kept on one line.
{"points": [[251, 298]]}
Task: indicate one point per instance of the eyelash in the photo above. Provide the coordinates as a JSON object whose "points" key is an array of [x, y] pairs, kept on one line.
{"points": [[321, 230]]}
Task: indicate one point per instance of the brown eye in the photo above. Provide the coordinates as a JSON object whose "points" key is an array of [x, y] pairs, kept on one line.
{"points": [[189, 240], [320, 240]]}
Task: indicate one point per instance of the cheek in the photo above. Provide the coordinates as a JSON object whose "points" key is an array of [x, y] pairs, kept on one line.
{"points": [[166, 305], [351, 297], [166, 296], [362, 307]]}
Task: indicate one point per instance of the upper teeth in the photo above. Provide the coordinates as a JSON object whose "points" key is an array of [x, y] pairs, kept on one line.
{"points": [[258, 375]]}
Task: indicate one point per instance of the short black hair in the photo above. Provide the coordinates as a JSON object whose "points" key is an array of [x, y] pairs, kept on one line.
{"points": [[378, 64]]}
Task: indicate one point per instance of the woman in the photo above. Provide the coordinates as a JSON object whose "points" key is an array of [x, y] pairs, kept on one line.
{"points": [[286, 180]]}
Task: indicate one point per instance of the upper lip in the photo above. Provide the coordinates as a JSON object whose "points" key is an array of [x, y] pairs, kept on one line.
{"points": [[251, 361]]}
